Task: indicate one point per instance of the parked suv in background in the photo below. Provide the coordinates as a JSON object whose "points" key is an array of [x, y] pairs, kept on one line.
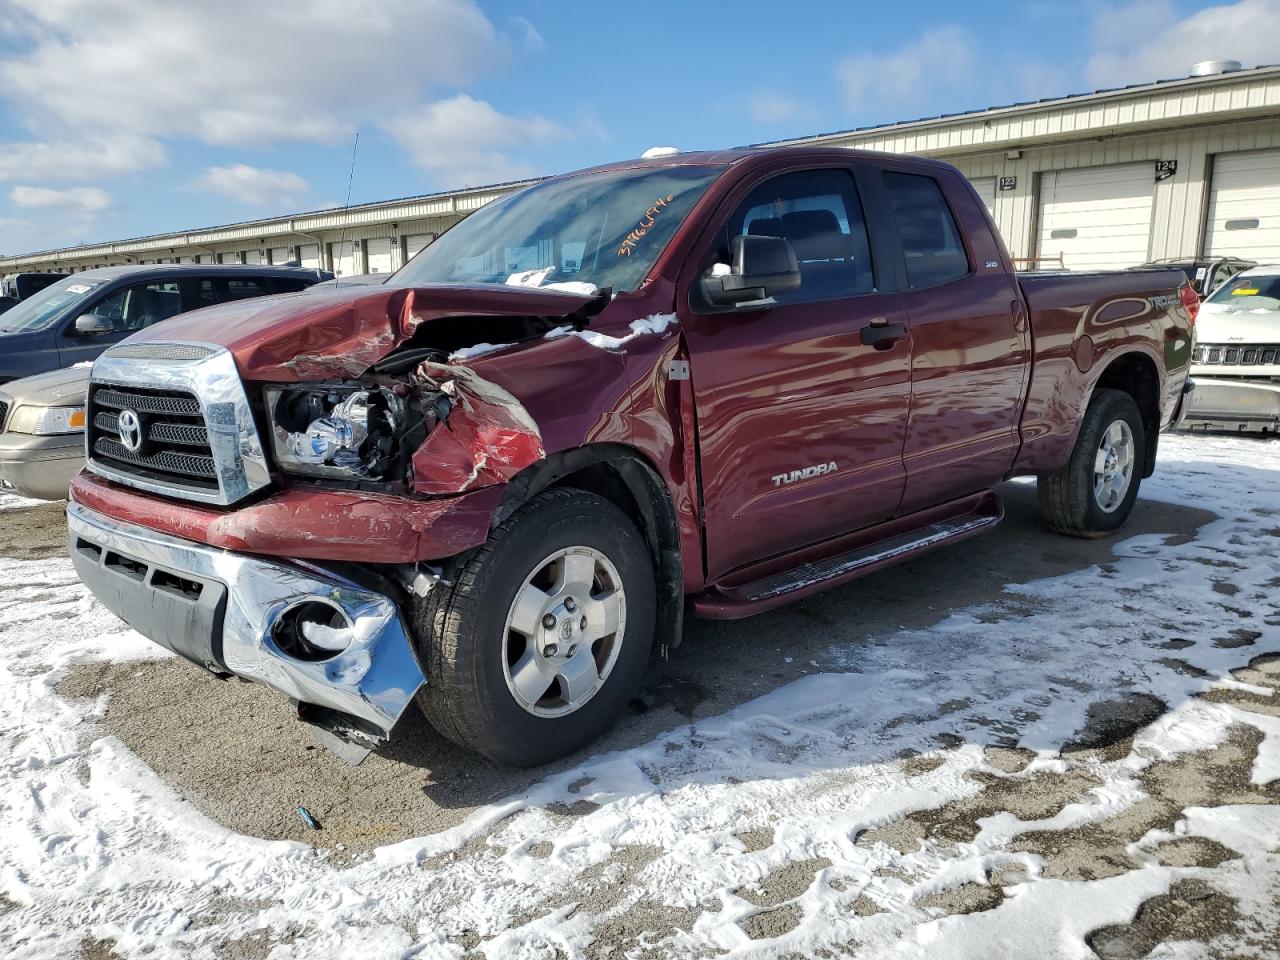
{"points": [[1237, 359], [66, 325]]}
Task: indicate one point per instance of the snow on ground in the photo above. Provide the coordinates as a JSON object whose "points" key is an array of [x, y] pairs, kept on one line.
{"points": [[649, 850]]}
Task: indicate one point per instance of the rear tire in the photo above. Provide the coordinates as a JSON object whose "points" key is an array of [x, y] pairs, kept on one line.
{"points": [[1094, 493], [570, 557]]}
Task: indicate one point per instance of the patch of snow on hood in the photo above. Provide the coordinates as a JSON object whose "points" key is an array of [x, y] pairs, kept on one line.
{"points": [[654, 323], [479, 350]]}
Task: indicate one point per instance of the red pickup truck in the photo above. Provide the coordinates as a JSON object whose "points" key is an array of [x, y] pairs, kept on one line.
{"points": [[713, 381]]}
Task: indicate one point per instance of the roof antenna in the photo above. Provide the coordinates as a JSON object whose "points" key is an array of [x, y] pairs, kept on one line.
{"points": [[342, 237]]}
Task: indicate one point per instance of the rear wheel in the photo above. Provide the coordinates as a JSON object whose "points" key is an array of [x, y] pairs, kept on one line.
{"points": [[544, 635], [1094, 493]]}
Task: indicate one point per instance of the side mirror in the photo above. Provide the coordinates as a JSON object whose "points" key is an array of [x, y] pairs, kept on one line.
{"points": [[762, 267], [92, 325]]}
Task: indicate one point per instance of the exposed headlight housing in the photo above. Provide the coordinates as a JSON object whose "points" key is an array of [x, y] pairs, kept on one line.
{"points": [[346, 432], [47, 421]]}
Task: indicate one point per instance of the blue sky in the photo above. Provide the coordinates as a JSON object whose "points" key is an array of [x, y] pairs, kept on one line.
{"points": [[119, 121]]}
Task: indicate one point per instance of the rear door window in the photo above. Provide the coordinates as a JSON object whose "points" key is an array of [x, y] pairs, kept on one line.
{"points": [[198, 293], [241, 288], [931, 241]]}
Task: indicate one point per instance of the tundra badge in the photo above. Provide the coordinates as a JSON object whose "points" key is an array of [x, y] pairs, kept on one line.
{"points": [[807, 473]]}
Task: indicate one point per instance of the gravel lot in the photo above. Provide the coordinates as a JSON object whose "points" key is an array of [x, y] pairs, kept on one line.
{"points": [[1010, 742]]}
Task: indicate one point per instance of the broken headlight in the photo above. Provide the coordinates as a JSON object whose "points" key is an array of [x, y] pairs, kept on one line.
{"points": [[348, 431]]}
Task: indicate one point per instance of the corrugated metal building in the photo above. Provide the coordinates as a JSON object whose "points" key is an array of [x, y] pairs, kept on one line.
{"points": [[1105, 179]]}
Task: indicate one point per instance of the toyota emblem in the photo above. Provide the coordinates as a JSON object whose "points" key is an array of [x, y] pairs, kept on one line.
{"points": [[130, 431]]}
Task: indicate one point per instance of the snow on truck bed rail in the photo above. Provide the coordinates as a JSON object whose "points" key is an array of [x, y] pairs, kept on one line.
{"points": [[828, 769]]}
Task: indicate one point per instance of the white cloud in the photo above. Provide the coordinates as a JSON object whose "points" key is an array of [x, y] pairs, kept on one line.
{"points": [[80, 200], [92, 158], [464, 141], [252, 185], [1146, 41], [939, 58], [528, 34], [239, 71], [772, 107]]}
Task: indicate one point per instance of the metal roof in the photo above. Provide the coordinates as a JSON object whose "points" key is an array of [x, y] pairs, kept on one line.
{"points": [[273, 224], [1026, 105]]}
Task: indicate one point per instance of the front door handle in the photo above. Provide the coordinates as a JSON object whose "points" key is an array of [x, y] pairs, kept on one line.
{"points": [[882, 334]]}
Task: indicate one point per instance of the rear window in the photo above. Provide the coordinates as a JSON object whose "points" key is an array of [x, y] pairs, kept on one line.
{"points": [[931, 241], [243, 288]]}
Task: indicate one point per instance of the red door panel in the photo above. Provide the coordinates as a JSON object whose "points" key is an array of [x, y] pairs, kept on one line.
{"points": [[784, 389], [968, 367]]}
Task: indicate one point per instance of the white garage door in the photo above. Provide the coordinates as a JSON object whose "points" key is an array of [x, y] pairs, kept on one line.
{"points": [[1098, 218], [279, 254], [378, 255], [309, 255], [1244, 207], [253, 257], [415, 242], [343, 257], [986, 187], [229, 257]]}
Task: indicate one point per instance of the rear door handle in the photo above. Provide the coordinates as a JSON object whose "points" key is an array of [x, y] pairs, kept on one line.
{"points": [[882, 334]]}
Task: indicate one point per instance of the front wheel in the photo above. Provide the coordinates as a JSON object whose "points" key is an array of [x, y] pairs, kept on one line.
{"points": [[1094, 493], [544, 635]]}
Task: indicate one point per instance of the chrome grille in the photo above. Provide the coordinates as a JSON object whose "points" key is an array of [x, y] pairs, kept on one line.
{"points": [[189, 431], [174, 438], [1245, 355], [179, 406]]}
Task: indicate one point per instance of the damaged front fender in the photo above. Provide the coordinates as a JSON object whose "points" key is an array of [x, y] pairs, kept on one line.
{"points": [[487, 438]]}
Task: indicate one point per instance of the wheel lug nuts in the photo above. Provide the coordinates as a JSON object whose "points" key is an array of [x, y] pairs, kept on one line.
{"points": [[582, 624], [550, 650], [549, 621], [573, 648], [570, 604]]}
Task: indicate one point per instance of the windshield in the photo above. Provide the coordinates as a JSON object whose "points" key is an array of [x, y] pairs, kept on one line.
{"points": [[601, 229], [1257, 292], [42, 309]]}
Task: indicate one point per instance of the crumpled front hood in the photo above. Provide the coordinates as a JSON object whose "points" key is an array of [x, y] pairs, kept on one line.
{"points": [[343, 331], [1222, 323]]}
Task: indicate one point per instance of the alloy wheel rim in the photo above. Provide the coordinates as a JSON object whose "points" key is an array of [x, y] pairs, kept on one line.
{"points": [[1113, 466], [564, 631]]}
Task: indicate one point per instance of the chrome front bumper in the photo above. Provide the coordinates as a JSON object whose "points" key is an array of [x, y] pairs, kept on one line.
{"points": [[221, 610], [1238, 406]]}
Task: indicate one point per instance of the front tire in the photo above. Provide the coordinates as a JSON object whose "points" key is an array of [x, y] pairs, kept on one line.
{"points": [[545, 634], [1094, 493]]}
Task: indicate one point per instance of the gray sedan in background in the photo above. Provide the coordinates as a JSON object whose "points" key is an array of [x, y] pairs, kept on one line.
{"points": [[42, 432]]}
